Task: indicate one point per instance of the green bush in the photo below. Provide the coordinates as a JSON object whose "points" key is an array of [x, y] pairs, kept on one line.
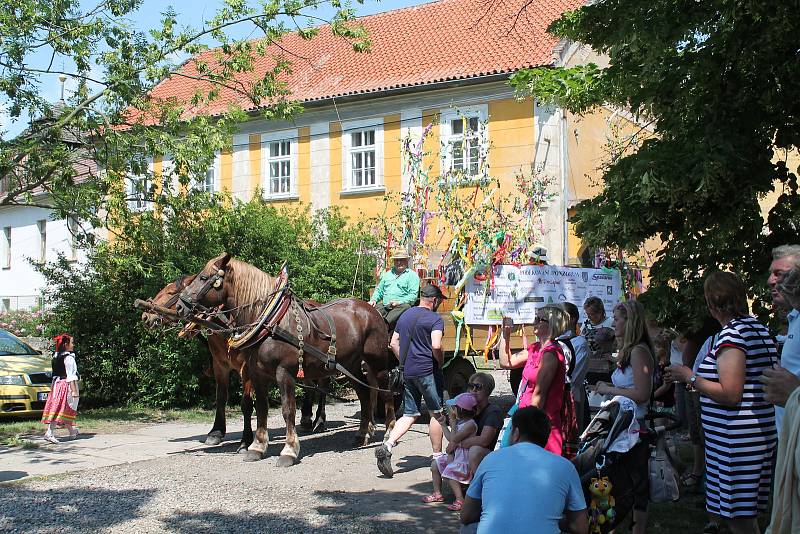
{"points": [[120, 360]]}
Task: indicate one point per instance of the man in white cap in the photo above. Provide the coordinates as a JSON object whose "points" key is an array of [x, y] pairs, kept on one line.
{"points": [[397, 290]]}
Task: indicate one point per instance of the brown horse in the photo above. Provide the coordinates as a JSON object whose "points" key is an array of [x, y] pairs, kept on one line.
{"points": [[225, 360], [361, 337]]}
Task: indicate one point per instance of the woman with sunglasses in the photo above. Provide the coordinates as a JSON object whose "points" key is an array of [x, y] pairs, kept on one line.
{"points": [[543, 376], [488, 418]]}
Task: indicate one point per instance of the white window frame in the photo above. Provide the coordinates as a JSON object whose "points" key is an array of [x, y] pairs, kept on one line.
{"points": [[138, 199], [202, 185], [284, 136], [480, 112], [7, 247], [41, 226], [348, 129]]}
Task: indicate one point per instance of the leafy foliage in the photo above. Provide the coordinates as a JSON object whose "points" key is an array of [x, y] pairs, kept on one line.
{"points": [[718, 81], [121, 361], [110, 121]]}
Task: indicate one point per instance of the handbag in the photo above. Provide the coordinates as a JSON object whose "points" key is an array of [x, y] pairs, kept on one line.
{"points": [[504, 436], [663, 480], [397, 381], [569, 425]]}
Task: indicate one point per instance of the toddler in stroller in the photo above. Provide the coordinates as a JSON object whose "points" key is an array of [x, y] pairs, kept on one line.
{"points": [[613, 447]]}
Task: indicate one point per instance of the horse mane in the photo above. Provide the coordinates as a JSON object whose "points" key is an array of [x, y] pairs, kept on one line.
{"points": [[250, 285]]}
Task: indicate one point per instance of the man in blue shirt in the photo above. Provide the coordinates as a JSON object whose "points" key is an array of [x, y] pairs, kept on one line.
{"points": [[784, 259], [417, 344], [524, 488]]}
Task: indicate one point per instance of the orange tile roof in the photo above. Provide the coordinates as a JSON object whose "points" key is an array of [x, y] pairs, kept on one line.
{"points": [[440, 41]]}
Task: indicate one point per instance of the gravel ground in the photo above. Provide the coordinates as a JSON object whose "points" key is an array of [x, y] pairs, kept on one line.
{"points": [[333, 489]]}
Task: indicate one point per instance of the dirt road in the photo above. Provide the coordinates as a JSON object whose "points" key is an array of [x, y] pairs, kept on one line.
{"points": [[188, 487]]}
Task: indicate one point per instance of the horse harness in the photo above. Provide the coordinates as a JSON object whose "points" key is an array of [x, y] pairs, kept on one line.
{"points": [[282, 299]]}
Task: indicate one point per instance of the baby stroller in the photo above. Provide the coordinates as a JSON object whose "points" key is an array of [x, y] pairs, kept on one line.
{"points": [[627, 472]]}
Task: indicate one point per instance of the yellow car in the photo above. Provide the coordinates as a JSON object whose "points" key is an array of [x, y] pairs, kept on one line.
{"points": [[25, 377]]}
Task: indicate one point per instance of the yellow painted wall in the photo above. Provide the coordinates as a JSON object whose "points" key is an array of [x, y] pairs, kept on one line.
{"points": [[392, 154], [512, 139], [589, 140]]}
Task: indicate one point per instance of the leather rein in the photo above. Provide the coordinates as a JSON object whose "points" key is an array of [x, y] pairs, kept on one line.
{"points": [[282, 300]]}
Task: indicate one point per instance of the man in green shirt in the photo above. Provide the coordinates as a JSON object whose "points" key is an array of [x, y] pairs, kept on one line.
{"points": [[397, 290]]}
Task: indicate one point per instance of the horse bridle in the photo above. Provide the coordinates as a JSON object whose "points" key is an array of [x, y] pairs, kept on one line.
{"points": [[212, 282], [173, 300]]}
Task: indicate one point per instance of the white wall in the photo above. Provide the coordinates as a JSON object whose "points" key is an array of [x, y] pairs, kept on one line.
{"points": [[550, 161], [21, 284]]}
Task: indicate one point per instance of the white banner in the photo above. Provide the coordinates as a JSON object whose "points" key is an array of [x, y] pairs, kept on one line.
{"points": [[519, 291]]}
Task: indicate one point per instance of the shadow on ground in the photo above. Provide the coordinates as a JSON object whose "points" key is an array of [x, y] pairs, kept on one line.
{"points": [[343, 511], [68, 510]]}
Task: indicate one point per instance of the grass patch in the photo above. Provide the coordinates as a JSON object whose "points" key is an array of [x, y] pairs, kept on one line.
{"points": [[108, 418], [17, 441]]}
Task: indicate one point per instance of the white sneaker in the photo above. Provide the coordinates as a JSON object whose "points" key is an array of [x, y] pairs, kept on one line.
{"points": [[51, 438]]}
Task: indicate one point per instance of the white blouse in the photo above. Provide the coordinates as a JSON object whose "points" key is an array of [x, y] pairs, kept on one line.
{"points": [[71, 367]]}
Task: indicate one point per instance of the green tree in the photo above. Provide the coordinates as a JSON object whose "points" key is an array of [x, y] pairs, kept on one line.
{"points": [[718, 81], [110, 119], [120, 360]]}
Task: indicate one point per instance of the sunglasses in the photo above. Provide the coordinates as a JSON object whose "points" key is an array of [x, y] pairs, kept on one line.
{"points": [[475, 386], [537, 320]]}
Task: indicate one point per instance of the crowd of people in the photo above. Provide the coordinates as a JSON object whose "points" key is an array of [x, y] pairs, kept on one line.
{"points": [[727, 381]]}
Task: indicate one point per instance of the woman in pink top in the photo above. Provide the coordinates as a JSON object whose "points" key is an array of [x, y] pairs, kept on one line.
{"points": [[543, 376]]}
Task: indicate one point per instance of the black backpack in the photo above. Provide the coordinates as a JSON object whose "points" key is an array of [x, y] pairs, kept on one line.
{"points": [[568, 348]]}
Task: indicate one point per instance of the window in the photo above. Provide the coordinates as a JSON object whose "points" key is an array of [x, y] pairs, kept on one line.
{"points": [[7, 247], [363, 156], [280, 168], [465, 140], [42, 227], [208, 182], [138, 192], [279, 172], [362, 159]]}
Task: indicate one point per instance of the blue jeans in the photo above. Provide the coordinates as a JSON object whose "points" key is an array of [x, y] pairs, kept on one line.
{"points": [[430, 387]]}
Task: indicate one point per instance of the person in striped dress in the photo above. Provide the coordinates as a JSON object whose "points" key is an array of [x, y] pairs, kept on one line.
{"points": [[739, 424]]}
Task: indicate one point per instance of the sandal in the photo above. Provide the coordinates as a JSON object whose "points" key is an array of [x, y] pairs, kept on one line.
{"points": [[456, 506], [691, 480], [433, 497]]}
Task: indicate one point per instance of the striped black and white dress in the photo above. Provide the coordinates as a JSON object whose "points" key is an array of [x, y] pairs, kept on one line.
{"points": [[740, 439]]}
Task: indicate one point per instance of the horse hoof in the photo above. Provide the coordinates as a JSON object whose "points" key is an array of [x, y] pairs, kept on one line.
{"points": [[320, 427], [305, 425], [252, 456], [361, 441], [214, 438], [285, 461]]}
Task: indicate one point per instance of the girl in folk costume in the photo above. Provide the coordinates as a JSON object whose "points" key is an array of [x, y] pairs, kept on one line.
{"points": [[62, 403]]}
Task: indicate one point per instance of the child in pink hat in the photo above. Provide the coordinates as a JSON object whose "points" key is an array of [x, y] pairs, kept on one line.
{"points": [[455, 467]]}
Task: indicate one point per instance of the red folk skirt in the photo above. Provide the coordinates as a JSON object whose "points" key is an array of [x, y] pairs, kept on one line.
{"points": [[57, 409]]}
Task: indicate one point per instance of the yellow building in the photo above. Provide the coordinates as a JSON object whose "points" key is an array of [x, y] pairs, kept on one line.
{"points": [[443, 66]]}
